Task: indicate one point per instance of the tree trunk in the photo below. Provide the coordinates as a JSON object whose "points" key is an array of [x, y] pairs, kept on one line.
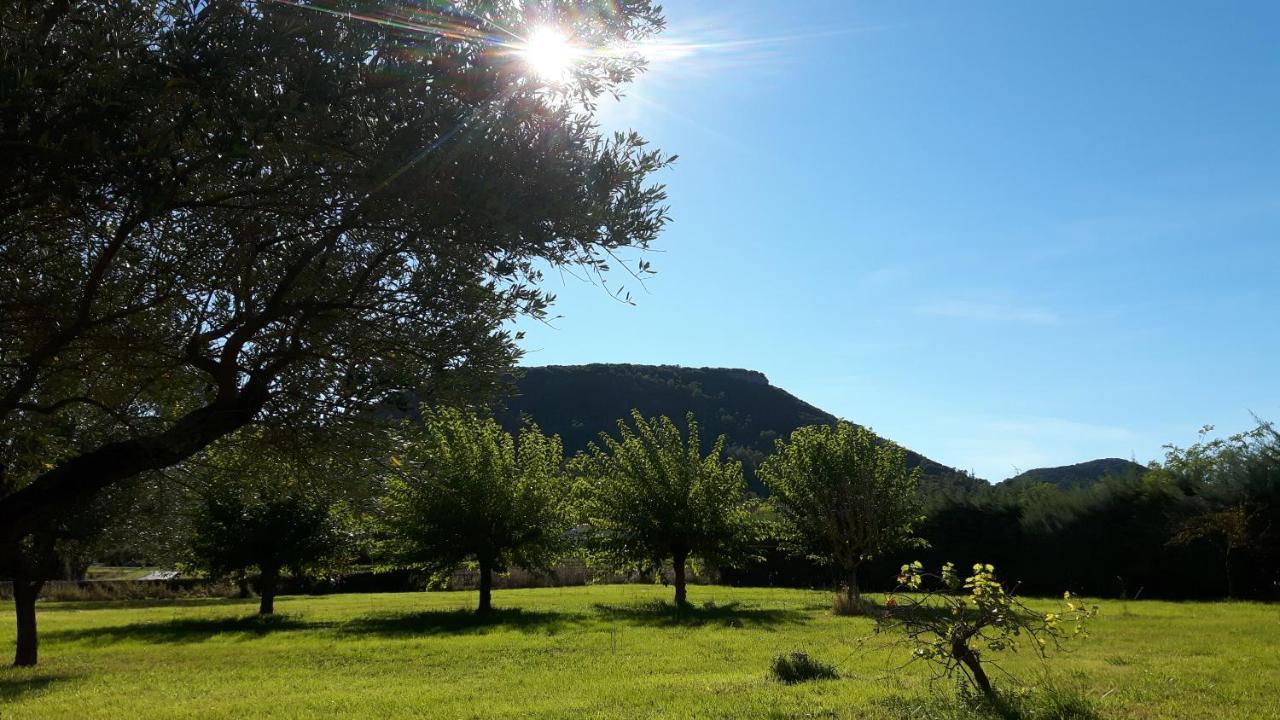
{"points": [[682, 592], [24, 602], [851, 590], [1231, 580], [486, 587], [960, 651], [267, 592]]}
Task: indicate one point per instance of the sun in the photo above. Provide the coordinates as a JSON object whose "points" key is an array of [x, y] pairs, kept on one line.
{"points": [[549, 54]]}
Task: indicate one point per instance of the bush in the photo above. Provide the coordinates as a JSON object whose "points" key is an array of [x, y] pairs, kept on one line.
{"points": [[798, 667]]}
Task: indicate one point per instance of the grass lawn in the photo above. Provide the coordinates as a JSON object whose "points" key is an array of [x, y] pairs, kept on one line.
{"points": [[601, 651]]}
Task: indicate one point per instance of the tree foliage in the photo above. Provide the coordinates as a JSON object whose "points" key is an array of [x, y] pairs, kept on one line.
{"points": [[1233, 486], [461, 488], [843, 496], [261, 512], [225, 211], [650, 496]]}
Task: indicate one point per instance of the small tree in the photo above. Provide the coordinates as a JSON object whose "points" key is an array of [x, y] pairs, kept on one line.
{"points": [[463, 489], [842, 496], [261, 513], [956, 624], [650, 496], [1233, 486]]}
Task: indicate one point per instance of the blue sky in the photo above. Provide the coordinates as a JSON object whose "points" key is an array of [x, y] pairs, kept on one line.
{"points": [[1006, 235]]}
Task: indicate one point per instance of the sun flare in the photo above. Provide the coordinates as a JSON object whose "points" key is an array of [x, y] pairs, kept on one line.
{"points": [[549, 54]]}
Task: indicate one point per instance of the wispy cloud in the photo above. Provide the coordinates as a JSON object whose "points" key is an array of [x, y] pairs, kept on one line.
{"points": [[1001, 312]]}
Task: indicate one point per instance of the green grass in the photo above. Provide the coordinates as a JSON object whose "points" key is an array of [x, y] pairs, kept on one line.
{"points": [[603, 652]]}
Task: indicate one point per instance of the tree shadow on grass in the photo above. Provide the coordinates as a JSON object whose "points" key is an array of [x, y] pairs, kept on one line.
{"points": [[13, 687], [188, 630], [436, 622], [53, 606], [661, 614]]}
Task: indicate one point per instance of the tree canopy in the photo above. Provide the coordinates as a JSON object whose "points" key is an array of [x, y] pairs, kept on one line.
{"points": [[843, 496], [650, 496], [461, 488], [257, 509], [233, 211]]}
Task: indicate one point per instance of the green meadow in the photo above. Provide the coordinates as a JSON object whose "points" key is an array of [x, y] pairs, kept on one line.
{"points": [[619, 651]]}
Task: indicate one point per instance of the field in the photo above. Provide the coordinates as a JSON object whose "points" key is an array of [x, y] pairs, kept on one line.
{"points": [[599, 651]]}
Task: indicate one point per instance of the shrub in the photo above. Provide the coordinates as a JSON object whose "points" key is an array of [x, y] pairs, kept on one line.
{"points": [[798, 667]]}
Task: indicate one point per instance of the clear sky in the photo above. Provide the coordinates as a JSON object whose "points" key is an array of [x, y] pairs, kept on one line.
{"points": [[1007, 235]]}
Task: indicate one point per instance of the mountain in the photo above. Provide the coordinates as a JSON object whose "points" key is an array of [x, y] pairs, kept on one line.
{"points": [[1078, 475], [578, 402]]}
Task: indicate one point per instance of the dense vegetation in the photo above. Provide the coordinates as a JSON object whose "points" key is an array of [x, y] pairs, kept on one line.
{"points": [[1104, 528]]}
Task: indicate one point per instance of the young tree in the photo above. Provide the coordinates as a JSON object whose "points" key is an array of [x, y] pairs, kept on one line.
{"points": [[462, 488], [216, 213], [843, 496], [258, 511], [650, 496], [957, 623]]}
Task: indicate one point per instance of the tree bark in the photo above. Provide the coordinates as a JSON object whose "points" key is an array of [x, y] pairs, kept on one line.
{"points": [[852, 592], [267, 592], [486, 587], [25, 592], [960, 651], [677, 564]]}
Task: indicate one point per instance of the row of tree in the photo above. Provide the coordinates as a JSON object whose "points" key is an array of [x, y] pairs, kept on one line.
{"points": [[456, 488]]}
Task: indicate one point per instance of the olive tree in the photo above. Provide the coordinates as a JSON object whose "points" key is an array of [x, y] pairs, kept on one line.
{"points": [[227, 212], [461, 488], [650, 496], [842, 496]]}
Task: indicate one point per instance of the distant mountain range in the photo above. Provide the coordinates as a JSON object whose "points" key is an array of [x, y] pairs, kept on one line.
{"points": [[578, 402], [1080, 474]]}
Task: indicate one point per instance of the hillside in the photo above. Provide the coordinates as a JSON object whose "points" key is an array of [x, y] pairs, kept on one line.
{"points": [[578, 402], [1069, 476]]}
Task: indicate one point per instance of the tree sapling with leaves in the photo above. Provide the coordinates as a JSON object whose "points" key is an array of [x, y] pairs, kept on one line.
{"points": [[957, 623]]}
